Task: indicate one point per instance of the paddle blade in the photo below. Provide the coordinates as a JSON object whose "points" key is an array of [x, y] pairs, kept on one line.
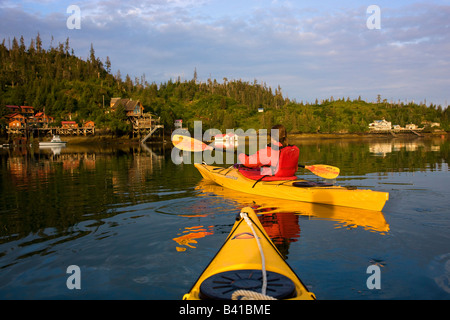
{"points": [[186, 143], [324, 171]]}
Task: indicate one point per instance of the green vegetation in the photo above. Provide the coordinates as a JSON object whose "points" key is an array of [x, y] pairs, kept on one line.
{"points": [[63, 84]]}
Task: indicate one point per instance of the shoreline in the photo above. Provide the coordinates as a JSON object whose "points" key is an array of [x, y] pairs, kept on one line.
{"points": [[304, 136], [124, 140], [293, 137], [108, 140]]}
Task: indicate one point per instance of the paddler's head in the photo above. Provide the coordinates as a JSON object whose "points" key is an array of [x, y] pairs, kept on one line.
{"points": [[278, 135]]}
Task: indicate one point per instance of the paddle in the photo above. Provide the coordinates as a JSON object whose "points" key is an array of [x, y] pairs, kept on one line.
{"points": [[186, 143], [323, 170]]}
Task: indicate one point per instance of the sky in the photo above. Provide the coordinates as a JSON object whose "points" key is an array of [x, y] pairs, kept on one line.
{"points": [[310, 49]]}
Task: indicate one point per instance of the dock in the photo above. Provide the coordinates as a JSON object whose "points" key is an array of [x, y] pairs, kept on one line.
{"points": [[23, 121], [63, 131], [394, 132], [144, 125]]}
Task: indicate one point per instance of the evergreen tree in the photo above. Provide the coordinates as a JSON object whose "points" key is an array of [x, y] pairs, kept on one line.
{"points": [[55, 79]]}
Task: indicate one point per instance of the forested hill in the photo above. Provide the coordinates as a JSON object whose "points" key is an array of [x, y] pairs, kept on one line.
{"points": [[63, 84]]}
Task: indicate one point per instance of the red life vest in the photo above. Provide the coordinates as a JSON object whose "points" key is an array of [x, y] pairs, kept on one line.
{"points": [[284, 170], [288, 163]]}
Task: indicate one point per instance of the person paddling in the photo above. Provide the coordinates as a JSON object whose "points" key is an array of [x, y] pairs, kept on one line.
{"points": [[268, 158]]}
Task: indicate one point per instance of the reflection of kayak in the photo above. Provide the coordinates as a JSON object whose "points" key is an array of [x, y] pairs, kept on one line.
{"points": [[347, 217], [190, 235], [240, 265], [298, 190]]}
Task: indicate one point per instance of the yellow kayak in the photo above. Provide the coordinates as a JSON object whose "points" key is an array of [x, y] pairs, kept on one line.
{"points": [[248, 266], [298, 190]]}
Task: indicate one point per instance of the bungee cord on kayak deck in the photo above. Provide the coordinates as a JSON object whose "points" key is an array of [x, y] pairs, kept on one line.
{"points": [[248, 294], [244, 215], [235, 271]]}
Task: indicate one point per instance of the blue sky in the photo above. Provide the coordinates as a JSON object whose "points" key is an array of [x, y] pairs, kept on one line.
{"points": [[311, 49]]}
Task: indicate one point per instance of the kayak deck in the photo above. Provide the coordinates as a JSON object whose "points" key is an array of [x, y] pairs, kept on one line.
{"points": [[298, 190], [243, 267]]}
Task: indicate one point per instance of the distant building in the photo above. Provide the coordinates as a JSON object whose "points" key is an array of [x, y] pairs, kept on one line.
{"points": [[133, 108], [380, 125], [13, 109], [27, 111], [89, 124], [144, 124], [17, 116], [431, 124], [15, 124], [69, 125], [411, 126], [41, 117], [178, 124]]}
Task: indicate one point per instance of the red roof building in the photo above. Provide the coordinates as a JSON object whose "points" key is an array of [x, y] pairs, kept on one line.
{"points": [[27, 111], [69, 124]]}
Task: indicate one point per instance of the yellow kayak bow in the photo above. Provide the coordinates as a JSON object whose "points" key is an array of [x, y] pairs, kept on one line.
{"points": [[248, 266]]}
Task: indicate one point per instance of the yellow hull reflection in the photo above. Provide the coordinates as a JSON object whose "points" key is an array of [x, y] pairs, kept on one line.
{"points": [[190, 236], [344, 216]]}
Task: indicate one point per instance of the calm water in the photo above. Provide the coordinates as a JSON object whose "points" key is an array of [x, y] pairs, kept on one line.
{"points": [[140, 227]]}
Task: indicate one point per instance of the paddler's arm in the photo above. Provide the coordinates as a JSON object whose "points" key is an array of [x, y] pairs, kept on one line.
{"points": [[253, 161]]}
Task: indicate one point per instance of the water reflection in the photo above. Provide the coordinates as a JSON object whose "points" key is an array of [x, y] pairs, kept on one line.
{"points": [[54, 150], [282, 227], [344, 217], [126, 210], [382, 148], [280, 218], [48, 195], [43, 188], [357, 157], [187, 238]]}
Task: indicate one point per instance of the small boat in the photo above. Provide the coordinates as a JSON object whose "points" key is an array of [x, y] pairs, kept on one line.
{"points": [[248, 266], [55, 142], [297, 190]]}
